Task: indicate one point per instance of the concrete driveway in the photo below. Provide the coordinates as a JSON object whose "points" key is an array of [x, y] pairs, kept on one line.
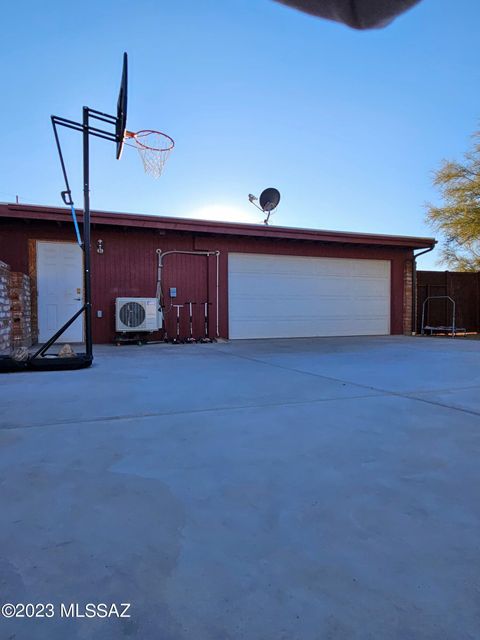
{"points": [[260, 490]]}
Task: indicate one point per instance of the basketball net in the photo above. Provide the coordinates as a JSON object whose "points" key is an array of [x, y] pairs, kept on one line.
{"points": [[154, 147]]}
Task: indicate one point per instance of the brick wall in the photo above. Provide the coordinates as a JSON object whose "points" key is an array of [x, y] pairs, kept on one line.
{"points": [[32, 272], [15, 310], [21, 310], [407, 297], [5, 315]]}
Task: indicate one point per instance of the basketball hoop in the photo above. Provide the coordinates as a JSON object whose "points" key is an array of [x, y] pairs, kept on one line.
{"points": [[154, 148]]}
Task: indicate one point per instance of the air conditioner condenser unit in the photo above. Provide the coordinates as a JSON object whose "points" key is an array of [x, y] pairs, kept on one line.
{"points": [[137, 314]]}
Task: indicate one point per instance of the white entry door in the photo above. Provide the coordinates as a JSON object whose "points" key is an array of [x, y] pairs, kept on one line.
{"points": [[276, 296], [60, 289]]}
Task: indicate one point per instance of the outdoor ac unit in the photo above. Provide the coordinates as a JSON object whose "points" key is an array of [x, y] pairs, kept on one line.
{"points": [[137, 314]]}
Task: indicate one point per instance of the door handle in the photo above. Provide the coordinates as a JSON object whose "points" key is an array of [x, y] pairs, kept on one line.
{"points": [[77, 298]]}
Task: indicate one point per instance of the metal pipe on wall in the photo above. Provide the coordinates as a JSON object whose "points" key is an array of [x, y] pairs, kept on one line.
{"points": [[161, 256], [218, 292]]}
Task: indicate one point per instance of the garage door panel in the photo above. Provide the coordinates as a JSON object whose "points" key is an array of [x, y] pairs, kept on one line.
{"points": [[307, 267], [290, 296], [314, 285], [327, 306], [306, 327]]}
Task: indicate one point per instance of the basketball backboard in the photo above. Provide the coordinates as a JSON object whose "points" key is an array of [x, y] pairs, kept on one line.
{"points": [[121, 123]]}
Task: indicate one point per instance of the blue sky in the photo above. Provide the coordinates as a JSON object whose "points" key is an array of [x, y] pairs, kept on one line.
{"points": [[347, 125]]}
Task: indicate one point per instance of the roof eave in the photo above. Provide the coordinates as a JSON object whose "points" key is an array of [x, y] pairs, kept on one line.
{"points": [[57, 214]]}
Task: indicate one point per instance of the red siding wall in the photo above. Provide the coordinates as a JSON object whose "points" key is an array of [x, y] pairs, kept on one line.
{"points": [[128, 267]]}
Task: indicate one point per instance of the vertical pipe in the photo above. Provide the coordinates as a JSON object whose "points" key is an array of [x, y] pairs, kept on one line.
{"points": [[207, 334], [190, 318], [415, 285], [159, 274], [429, 316], [445, 303], [217, 293], [414, 298], [478, 303], [86, 234]]}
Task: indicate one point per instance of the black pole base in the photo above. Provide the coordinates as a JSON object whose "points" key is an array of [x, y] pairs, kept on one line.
{"points": [[47, 363]]}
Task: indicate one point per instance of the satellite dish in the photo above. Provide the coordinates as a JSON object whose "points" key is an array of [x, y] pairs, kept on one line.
{"points": [[269, 199]]}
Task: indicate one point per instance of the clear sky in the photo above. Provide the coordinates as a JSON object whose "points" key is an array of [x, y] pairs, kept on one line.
{"points": [[347, 125]]}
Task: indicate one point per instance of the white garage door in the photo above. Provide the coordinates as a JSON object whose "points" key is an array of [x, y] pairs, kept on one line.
{"points": [[291, 297]]}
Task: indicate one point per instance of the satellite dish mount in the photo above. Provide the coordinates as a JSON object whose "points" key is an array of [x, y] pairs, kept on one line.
{"points": [[268, 201]]}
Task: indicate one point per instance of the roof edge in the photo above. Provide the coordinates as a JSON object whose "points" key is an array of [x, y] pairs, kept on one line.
{"points": [[39, 212]]}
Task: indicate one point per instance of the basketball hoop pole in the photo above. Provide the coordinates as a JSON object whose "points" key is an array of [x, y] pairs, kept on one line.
{"points": [[86, 235], [87, 130], [40, 360]]}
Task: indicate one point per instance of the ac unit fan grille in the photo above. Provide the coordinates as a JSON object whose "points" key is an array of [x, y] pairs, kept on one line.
{"points": [[132, 314]]}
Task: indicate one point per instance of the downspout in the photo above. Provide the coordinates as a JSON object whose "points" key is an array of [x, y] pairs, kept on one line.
{"points": [[414, 286], [218, 291]]}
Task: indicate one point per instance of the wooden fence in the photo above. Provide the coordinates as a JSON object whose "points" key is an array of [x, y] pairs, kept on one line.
{"points": [[463, 287]]}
